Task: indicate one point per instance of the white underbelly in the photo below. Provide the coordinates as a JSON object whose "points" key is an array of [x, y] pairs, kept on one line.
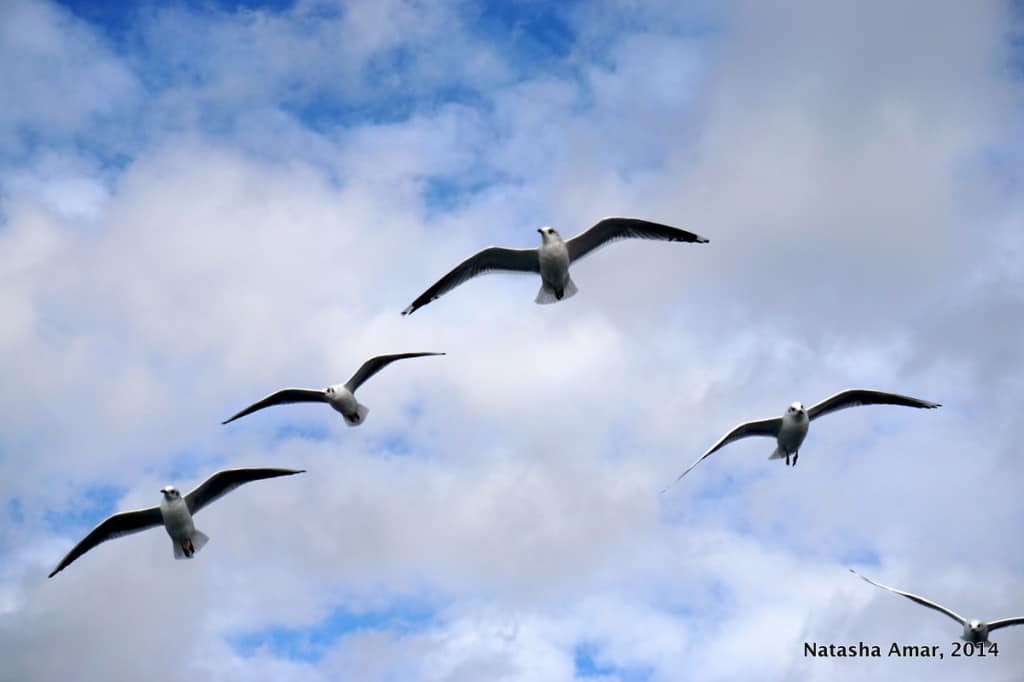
{"points": [[344, 401], [177, 521], [554, 266], [791, 435]]}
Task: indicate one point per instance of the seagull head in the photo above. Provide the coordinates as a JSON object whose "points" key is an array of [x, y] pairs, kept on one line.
{"points": [[170, 492], [548, 233], [975, 631], [796, 408]]}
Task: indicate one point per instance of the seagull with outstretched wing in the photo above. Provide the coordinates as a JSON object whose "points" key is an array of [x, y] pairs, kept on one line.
{"points": [[339, 396], [552, 258], [790, 429], [174, 513], [974, 630]]}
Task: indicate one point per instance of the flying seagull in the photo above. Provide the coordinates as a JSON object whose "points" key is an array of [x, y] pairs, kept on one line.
{"points": [[552, 258], [974, 630], [175, 513], [790, 429], [339, 396]]}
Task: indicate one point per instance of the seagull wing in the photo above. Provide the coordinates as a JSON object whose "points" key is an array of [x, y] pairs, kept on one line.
{"points": [[489, 260], [282, 397], [996, 624], [610, 229], [227, 480], [761, 427], [123, 523], [376, 364], [913, 597], [853, 397]]}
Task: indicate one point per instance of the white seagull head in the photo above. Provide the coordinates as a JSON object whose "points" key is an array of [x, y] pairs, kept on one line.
{"points": [[795, 408], [170, 492], [975, 631], [548, 233]]}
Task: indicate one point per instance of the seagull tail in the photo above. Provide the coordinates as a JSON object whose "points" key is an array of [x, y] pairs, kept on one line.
{"points": [[778, 454], [548, 294], [359, 417], [197, 541]]}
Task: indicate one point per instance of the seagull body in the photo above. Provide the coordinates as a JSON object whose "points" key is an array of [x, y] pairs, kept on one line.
{"points": [[179, 525], [552, 258], [553, 265], [974, 630], [174, 513], [341, 397], [790, 430]]}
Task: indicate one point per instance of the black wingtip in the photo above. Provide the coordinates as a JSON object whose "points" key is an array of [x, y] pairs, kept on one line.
{"points": [[53, 574]]}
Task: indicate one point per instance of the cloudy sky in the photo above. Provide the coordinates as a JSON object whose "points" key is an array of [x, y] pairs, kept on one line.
{"points": [[203, 202]]}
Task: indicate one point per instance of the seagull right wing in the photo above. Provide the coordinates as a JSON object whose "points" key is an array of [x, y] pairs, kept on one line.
{"points": [[489, 260], [608, 230], [376, 364], [761, 427], [282, 397], [852, 397], [913, 597], [123, 523], [226, 480], [996, 624]]}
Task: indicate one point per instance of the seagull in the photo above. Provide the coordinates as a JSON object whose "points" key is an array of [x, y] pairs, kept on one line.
{"points": [[790, 429], [339, 396], [175, 513], [552, 259], [974, 630]]}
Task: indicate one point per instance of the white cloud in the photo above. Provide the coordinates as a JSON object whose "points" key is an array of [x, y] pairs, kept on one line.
{"points": [[835, 170]]}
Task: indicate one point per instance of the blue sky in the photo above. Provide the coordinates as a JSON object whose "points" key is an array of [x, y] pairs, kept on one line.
{"points": [[203, 202]]}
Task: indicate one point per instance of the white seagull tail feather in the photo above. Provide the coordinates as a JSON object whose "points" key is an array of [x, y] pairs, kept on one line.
{"points": [[547, 294], [199, 540], [361, 412], [778, 454]]}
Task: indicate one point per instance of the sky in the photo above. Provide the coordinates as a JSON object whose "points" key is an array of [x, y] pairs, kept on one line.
{"points": [[203, 202]]}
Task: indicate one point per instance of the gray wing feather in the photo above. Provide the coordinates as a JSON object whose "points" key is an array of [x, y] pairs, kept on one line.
{"points": [[913, 597], [282, 397], [853, 397], [223, 482], [761, 427], [123, 523], [608, 230], [376, 364], [491, 259], [996, 624]]}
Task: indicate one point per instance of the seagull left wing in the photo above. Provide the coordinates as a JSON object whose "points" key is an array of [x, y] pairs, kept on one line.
{"points": [[761, 427], [374, 365], [996, 624], [123, 523], [282, 397], [227, 480], [913, 597], [611, 229], [853, 397], [491, 259]]}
